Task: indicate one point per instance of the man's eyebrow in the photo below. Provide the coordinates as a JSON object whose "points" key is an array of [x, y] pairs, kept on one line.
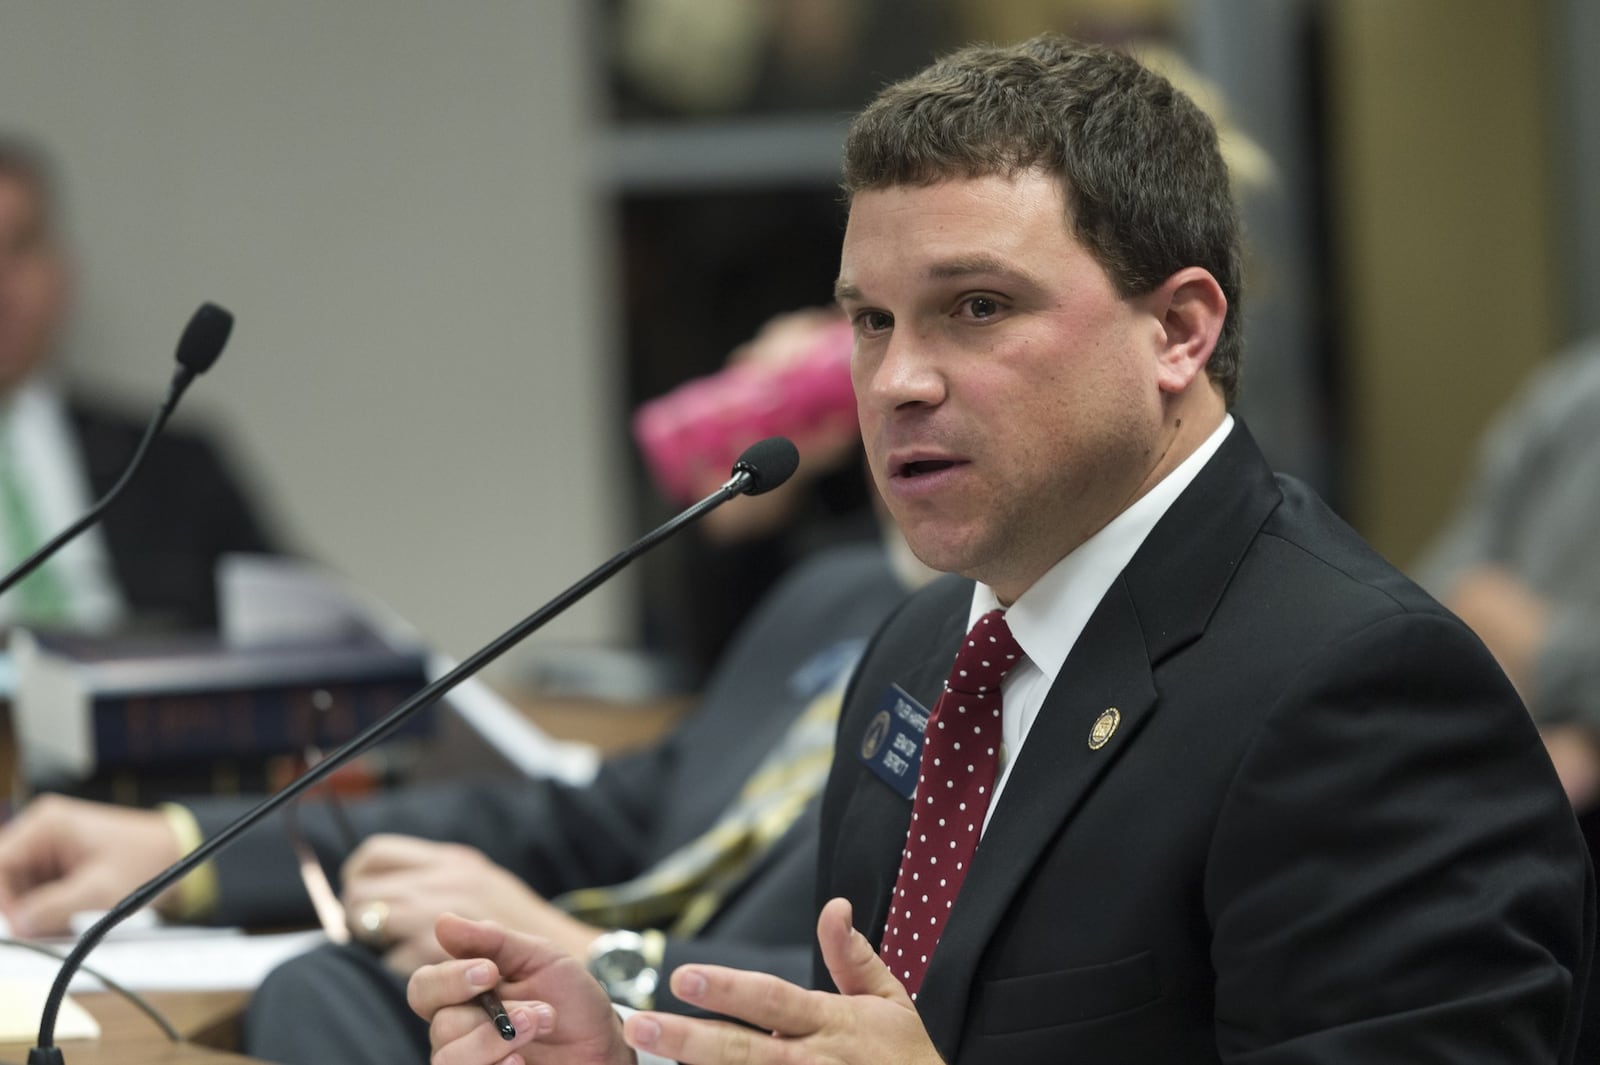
{"points": [[952, 269], [982, 264]]}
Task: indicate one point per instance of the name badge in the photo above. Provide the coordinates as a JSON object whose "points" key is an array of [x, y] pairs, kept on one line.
{"points": [[892, 746]]}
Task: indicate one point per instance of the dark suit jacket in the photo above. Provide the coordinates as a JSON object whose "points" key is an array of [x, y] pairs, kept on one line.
{"points": [[642, 806], [183, 511], [1325, 831]]}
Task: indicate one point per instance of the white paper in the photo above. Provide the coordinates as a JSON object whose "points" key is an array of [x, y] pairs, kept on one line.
{"points": [[22, 1002], [169, 958]]}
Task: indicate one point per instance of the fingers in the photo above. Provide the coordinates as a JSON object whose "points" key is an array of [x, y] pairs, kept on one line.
{"points": [[855, 967], [756, 998], [462, 1035], [449, 983], [704, 1042], [47, 910], [387, 852], [456, 1022], [460, 1032], [412, 881], [517, 955], [63, 855], [18, 859], [413, 952], [479, 1043], [406, 914], [44, 881]]}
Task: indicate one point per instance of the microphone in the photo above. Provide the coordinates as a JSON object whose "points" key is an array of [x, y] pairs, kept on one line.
{"points": [[768, 463], [763, 466], [202, 341]]}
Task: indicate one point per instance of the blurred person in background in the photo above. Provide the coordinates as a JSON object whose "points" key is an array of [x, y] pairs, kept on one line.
{"points": [[150, 562], [1518, 560], [1518, 563]]}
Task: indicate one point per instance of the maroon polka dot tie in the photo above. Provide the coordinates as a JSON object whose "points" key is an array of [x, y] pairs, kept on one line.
{"points": [[960, 754]]}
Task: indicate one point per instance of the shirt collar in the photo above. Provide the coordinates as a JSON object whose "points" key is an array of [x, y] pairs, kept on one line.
{"points": [[1048, 618]]}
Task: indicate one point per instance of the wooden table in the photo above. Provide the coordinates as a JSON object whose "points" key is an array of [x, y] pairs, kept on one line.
{"points": [[208, 1020]]}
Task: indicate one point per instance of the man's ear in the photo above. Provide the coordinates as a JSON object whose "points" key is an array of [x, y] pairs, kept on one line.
{"points": [[1189, 307]]}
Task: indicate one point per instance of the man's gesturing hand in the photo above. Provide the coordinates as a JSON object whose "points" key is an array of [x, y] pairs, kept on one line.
{"points": [[871, 1020]]}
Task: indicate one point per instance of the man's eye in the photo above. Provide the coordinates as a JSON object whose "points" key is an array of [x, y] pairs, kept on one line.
{"points": [[983, 307], [874, 321]]}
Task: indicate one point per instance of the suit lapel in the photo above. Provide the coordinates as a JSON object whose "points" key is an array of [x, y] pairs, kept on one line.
{"points": [[1160, 604]]}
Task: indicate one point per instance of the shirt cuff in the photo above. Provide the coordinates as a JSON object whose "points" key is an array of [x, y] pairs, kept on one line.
{"points": [[195, 897]]}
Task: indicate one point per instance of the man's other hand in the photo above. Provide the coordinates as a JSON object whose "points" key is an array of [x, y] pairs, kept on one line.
{"points": [[61, 856]]}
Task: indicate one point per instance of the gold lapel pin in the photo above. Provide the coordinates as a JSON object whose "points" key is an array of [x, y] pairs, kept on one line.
{"points": [[1104, 726]]}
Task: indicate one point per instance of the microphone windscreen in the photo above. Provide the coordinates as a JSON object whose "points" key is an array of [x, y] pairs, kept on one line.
{"points": [[769, 463], [204, 337]]}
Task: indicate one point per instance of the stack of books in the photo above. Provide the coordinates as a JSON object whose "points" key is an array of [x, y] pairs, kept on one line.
{"points": [[138, 721]]}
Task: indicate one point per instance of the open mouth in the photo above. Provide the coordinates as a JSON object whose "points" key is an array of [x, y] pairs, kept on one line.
{"points": [[917, 469]]}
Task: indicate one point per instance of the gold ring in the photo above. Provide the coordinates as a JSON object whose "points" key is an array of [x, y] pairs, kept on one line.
{"points": [[370, 922]]}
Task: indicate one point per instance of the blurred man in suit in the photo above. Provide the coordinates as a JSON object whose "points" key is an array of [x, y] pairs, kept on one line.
{"points": [[1517, 562], [151, 562]]}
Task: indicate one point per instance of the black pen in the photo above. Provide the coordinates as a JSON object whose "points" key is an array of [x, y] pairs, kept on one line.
{"points": [[497, 1013]]}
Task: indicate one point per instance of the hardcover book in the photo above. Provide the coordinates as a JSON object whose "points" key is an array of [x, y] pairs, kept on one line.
{"points": [[84, 705]]}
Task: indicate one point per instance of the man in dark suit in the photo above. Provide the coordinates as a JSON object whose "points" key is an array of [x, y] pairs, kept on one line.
{"points": [[185, 510], [1208, 781], [151, 561]]}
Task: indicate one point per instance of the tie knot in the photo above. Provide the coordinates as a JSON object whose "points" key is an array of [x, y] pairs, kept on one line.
{"points": [[987, 654]]}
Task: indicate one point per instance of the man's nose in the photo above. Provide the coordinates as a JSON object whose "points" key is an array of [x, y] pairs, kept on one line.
{"points": [[907, 374]]}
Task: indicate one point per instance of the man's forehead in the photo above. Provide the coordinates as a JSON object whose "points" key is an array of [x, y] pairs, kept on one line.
{"points": [[1000, 226]]}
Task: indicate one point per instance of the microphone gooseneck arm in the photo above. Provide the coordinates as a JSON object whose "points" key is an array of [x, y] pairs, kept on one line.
{"points": [[201, 343], [762, 467]]}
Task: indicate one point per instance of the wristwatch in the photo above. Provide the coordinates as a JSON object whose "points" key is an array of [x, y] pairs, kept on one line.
{"points": [[628, 965]]}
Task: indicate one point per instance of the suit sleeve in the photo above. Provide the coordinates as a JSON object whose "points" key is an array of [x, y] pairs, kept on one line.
{"points": [[186, 510], [553, 836], [1444, 913]]}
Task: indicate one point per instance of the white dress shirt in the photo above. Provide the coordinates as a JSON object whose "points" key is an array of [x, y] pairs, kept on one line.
{"points": [[50, 469], [1048, 618]]}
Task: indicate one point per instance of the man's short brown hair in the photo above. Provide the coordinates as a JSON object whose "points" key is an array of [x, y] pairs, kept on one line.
{"points": [[1146, 186]]}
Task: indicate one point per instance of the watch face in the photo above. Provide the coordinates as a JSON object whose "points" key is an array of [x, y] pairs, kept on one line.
{"points": [[619, 965]]}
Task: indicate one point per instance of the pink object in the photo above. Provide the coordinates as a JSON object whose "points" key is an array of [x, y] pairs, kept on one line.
{"points": [[705, 424]]}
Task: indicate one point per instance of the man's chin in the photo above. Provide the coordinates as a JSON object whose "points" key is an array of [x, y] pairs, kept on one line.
{"points": [[942, 555]]}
